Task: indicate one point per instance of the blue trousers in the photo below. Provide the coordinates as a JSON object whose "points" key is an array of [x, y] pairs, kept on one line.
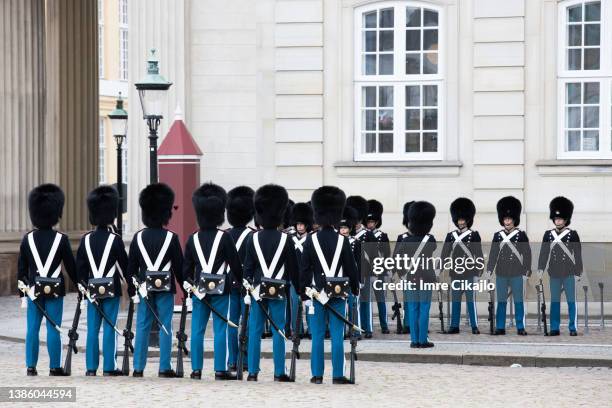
{"points": [[470, 304], [199, 320], [501, 284], [276, 309], [236, 309], [336, 330], [110, 307], [365, 310], [55, 308], [419, 303], [164, 303], [569, 285]]}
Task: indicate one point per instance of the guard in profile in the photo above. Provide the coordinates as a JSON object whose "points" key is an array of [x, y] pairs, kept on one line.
{"points": [[561, 256], [302, 220], [270, 265], [350, 216], [464, 247], [155, 261], [383, 250], [328, 274], [208, 253], [39, 275], [101, 260], [510, 259]]}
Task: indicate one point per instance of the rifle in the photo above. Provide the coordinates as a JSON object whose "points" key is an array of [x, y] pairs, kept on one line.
{"points": [[491, 309], [601, 300], [441, 311], [295, 351], [354, 338], [73, 335], [181, 336], [242, 338], [397, 314], [128, 335], [540, 289]]}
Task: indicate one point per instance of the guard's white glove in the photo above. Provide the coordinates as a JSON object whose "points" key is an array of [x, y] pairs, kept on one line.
{"points": [[247, 300], [24, 302], [83, 290], [142, 289], [255, 293], [136, 299], [28, 290], [540, 274], [577, 278]]}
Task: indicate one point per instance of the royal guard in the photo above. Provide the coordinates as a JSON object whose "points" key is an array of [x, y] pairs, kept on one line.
{"points": [[367, 241], [350, 217], [155, 261], [302, 219], [401, 237], [383, 250], [240, 212], [510, 259], [463, 246], [288, 228], [270, 265], [328, 274], [561, 256], [418, 243], [101, 260], [42, 284]]}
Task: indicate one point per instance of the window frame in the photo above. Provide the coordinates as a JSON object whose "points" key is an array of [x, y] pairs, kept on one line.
{"points": [[123, 50], [101, 32], [102, 150], [603, 75], [399, 81]]}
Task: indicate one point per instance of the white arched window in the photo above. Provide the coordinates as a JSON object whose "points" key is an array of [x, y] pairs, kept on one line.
{"points": [[584, 80], [399, 81]]}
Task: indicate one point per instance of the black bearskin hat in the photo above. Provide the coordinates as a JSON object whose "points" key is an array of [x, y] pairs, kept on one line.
{"points": [[463, 208], [46, 203], [561, 207], [156, 201], [240, 209], [328, 204], [405, 212], [361, 205], [271, 202], [302, 213], [420, 217], [209, 203], [287, 222], [375, 211], [350, 216], [103, 204], [509, 207]]}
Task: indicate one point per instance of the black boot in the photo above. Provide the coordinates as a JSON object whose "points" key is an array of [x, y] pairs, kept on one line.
{"points": [[555, 333], [341, 380], [500, 332], [224, 375], [231, 367], [137, 374], [385, 331], [428, 344], [573, 333], [252, 377], [316, 380], [406, 330], [114, 373], [32, 372], [57, 372], [521, 332], [475, 330], [196, 375], [368, 335], [415, 345], [90, 373], [167, 374], [282, 378], [453, 330]]}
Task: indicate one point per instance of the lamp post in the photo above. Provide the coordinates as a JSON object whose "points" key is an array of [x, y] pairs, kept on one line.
{"points": [[152, 90], [119, 120]]}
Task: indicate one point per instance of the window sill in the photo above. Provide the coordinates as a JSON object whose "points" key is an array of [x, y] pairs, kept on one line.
{"points": [[425, 168], [574, 167]]}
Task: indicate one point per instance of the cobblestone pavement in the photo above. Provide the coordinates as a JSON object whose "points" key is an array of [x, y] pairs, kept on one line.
{"points": [[379, 384]]}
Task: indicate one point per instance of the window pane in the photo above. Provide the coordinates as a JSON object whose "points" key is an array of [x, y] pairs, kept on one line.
{"points": [[591, 117], [430, 18], [385, 120], [370, 41], [370, 64], [591, 34], [573, 118], [385, 64], [385, 143], [574, 35], [413, 119], [386, 18], [413, 40], [385, 96], [386, 41], [590, 141], [413, 63], [573, 94], [413, 142], [574, 59], [574, 13], [430, 63], [413, 17], [413, 95], [369, 19], [592, 11], [369, 96], [430, 119], [591, 58], [573, 141], [430, 40], [369, 118], [430, 142], [369, 143], [430, 95], [591, 92]]}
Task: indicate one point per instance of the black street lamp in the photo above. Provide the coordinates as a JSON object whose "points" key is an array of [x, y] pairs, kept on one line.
{"points": [[119, 120], [152, 91]]}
